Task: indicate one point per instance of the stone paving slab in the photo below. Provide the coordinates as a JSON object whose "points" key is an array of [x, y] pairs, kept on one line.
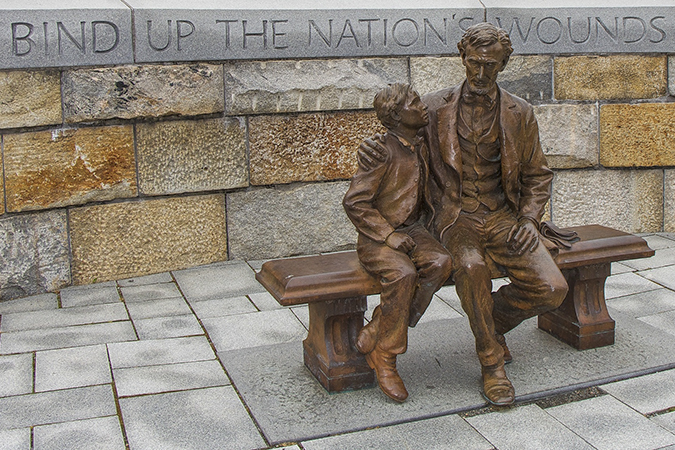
{"points": [[15, 439], [618, 268], [222, 307], [647, 394], [664, 276], [608, 424], [150, 292], [198, 419], [644, 303], [217, 281], [164, 277], [75, 336], [92, 294], [667, 421], [626, 284], [170, 377], [658, 242], [16, 374], [34, 303], [167, 327], [71, 367], [63, 317], [664, 321], [526, 428], [57, 406], [102, 433], [302, 313], [661, 258], [160, 351], [158, 308], [264, 301]]}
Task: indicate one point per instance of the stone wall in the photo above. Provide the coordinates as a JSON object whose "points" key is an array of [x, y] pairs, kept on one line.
{"points": [[114, 171]]}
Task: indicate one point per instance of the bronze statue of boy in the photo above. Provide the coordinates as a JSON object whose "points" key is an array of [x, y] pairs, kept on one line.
{"points": [[390, 205]]}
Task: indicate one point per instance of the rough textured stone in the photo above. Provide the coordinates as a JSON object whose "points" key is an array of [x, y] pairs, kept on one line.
{"points": [[609, 77], [629, 200], [49, 169], [255, 87], [671, 75], [137, 238], [309, 147], [127, 92], [29, 98], [33, 254], [637, 135], [528, 77], [669, 201], [288, 220], [189, 156], [569, 134]]}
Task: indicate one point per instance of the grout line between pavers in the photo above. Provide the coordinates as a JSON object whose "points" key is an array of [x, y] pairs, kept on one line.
{"points": [[116, 396]]}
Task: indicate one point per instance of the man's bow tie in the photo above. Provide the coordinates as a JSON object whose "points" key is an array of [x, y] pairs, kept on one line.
{"points": [[478, 100]]}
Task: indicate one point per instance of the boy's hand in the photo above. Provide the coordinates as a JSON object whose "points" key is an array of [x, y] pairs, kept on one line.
{"points": [[401, 242], [371, 151]]}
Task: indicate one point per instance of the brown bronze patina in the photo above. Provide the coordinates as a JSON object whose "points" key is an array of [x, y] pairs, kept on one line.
{"points": [[490, 184]]}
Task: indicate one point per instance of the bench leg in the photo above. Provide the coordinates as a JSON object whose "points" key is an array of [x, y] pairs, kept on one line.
{"points": [[582, 320], [329, 350]]}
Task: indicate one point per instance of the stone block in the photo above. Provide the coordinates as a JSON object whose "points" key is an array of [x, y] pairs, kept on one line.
{"points": [[257, 87], [16, 375], [158, 308], [71, 367], [48, 169], [430, 74], [189, 156], [647, 394], [671, 75], [90, 294], [308, 147], [128, 92], [168, 327], [217, 281], [63, 317], [158, 352], [30, 98], [638, 135], [569, 134], [222, 307], [143, 293], [669, 201], [34, 256], [289, 220], [628, 200], [103, 433], [16, 439], [610, 77], [138, 238]]}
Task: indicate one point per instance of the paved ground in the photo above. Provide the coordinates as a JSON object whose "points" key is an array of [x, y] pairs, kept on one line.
{"points": [[204, 358]]}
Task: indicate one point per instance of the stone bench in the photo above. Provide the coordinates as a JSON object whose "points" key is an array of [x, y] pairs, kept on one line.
{"points": [[335, 287]]}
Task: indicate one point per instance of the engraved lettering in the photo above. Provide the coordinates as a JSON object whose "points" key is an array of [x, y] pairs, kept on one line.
{"points": [[588, 31], [369, 35], [44, 27], [412, 39], [555, 34], [227, 30], [641, 34], [346, 35], [661, 32], [328, 40], [262, 34], [276, 33], [94, 36], [428, 26], [22, 44], [614, 36], [516, 23], [179, 31], [62, 29], [168, 36], [384, 37], [463, 26]]}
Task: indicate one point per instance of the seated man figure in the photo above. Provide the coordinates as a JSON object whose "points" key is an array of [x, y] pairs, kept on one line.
{"points": [[388, 203]]}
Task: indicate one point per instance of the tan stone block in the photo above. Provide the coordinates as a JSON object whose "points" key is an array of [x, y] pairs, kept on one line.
{"points": [[48, 169], [307, 147], [2, 184], [628, 200], [430, 74], [609, 77], [256, 87], [30, 98], [127, 92], [569, 134], [638, 135], [136, 238], [189, 156], [669, 201]]}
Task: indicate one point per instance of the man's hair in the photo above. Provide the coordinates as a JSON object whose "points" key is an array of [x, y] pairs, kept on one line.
{"points": [[391, 100], [483, 34]]}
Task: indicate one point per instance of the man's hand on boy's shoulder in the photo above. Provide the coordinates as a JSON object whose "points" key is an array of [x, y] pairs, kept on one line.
{"points": [[372, 152], [400, 241]]}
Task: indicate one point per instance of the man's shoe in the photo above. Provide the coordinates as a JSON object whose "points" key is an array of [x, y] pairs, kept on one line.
{"points": [[367, 338], [497, 389], [388, 378], [507, 354]]}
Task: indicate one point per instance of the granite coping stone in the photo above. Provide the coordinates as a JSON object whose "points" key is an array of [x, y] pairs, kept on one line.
{"points": [[647, 394], [71, 367], [16, 374], [101, 433], [159, 352]]}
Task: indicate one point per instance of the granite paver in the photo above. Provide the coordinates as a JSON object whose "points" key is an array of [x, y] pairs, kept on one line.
{"points": [[102, 433], [664, 321], [16, 374], [166, 327], [644, 303], [150, 292], [15, 439], [71, 367], [667, 421], [34, 303], [647, 394], [163, 277], [627, 283], [165, 307], [160, 351], [215, 281], [222, 307], [665, 276], [63, 317], [93, 294]]}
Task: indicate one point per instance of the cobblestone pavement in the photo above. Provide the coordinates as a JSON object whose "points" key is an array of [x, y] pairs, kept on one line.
{"points": [[205, 358]]}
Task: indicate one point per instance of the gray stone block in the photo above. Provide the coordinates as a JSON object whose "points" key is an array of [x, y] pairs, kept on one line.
{"points": [[665, 276], [648, 394], [659, 242], [607, 424], [102, 433], [168, 327], [569, 135], [308, 85], [448, 432], [91, 294], [663, 257], [525, 428], [34, 255], [63, 317], [16, 375], [288, 220], [667, 421], [164, 277], [192, 419], [161, 351], [150, 292], [618, 268], [671, 75], [71, 367], [57, 406], [254, 330], [158, 308], [33, 303], [664, 321], [65, 33], [217, 281], [173, 377], [302, 313], [15, 439], [225, 307], [644, 303], [79, 335], [264, 301]]}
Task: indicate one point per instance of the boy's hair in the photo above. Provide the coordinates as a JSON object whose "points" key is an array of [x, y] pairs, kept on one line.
{"points": [[391, 100]]}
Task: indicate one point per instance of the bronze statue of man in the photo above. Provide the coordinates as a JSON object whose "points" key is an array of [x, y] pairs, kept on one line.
{"points": [[490, 186]]}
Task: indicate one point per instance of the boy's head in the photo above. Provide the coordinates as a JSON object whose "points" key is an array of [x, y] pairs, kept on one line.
{"points": [[399, 105]]}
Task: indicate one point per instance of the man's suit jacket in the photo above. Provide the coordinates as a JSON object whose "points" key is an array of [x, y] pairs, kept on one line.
{"points": [[526, 179]]}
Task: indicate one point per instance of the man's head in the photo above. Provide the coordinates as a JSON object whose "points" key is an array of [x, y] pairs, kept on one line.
{"points": [[398, 105], [485, 50]]}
